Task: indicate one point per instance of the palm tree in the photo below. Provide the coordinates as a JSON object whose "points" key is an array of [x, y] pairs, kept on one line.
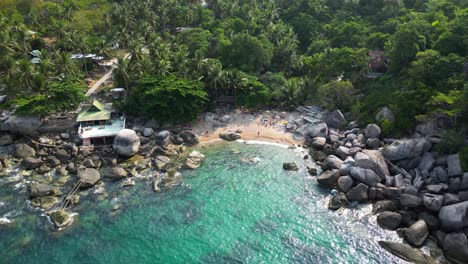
{"points": [[291, 94], [236, 81], [122, 74]]}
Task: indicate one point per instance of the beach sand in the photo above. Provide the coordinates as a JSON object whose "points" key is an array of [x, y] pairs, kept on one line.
{"points": [[262, 126]]}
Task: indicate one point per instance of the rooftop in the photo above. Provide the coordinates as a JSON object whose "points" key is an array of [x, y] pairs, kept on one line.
{"points": [[95, 112], [108, 130]]}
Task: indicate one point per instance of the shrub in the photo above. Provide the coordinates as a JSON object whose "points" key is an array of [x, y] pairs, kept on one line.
{"points": [[464, 158], [338, 95], [452, 142], [167, 99]]}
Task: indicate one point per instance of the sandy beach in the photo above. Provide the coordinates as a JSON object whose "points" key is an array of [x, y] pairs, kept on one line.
{"points": [[262, 126]]}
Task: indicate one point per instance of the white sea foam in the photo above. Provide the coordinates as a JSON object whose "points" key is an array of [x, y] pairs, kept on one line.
{"points": [[4, 221]]}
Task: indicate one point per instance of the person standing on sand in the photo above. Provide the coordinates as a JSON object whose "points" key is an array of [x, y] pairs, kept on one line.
{"points": [[258, 133]]}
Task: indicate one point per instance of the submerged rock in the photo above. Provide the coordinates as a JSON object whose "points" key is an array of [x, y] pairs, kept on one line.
{"points": [[290, 166], [46, 202], [194, 160], [407, 253], [42, 190], [61, 218]]}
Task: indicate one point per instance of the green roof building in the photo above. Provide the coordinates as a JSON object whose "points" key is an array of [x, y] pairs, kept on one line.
{"points": [[98, 122]]}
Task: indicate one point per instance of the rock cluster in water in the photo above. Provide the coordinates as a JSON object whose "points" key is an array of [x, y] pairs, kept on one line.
{"points": [[52, 164], [415, 190]]}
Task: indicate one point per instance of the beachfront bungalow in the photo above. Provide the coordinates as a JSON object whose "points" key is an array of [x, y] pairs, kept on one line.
{"points": [[99, 123]]}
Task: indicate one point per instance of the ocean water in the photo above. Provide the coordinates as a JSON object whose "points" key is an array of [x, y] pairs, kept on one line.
{"points": [[239, 207]]}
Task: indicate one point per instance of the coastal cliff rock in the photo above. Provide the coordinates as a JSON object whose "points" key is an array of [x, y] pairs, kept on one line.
{"points": [[126, 143], [407, 148], [21, 125]]}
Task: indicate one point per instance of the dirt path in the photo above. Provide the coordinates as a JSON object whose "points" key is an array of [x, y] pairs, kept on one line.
{"points": [[106, 76]]}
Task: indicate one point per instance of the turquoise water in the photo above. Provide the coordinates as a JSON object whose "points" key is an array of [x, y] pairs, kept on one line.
{"points": [[237, 208]]}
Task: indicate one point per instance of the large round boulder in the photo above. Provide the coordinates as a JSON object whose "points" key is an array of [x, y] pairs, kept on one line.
{"points": [[454, 217], [23, 151], [89, 177], [389, 220], [189, 137], [417, 233], [126, 143], [372, 131]]}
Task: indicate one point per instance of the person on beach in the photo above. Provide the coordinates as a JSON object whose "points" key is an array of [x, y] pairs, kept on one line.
{"points": [[258, 133]]}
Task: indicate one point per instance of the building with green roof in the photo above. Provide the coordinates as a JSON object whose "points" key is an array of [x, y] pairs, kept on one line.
{"points": [[99, 122]]}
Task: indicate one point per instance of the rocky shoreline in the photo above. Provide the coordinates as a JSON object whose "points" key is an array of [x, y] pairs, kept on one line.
{"points": [[420, 193], [57, 172], [416, 191]]}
